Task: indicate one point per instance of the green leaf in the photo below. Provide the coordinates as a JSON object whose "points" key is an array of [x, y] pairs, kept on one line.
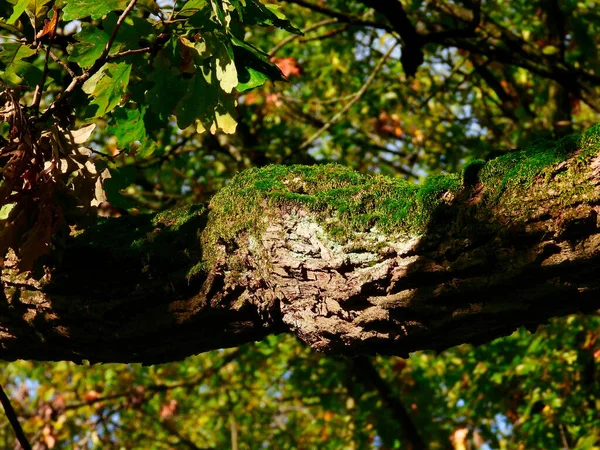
{"points": [[252, 79], [149, 5], [18, 10], [254, 67], [5, 210], [225, 116], [128, 126], [255, 13], [225, 68], [78, 9], [11, 28], [109, 88], [550, 50], [120, 178], [91, 42], [14, 67], [196, 103], [192, 7], [37, 9], [168, 88]]}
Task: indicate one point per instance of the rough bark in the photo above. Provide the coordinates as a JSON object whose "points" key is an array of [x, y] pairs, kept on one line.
{"points": [[348, 263]]}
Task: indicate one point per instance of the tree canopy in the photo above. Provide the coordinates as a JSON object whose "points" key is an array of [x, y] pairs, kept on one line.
{"points": [[455, 122]]}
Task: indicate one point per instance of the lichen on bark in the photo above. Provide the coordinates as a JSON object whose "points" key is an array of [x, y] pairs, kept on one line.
{"points": [[343, 202]]}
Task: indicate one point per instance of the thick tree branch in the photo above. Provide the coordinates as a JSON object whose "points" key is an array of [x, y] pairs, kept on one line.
{"points": [[412, 49], [339, 15], [347, 262]]}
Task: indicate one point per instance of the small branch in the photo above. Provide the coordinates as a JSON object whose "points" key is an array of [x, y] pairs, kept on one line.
{"points": [[563, 437], [340, 16], [468, 32], [14, 420], [293, 37], [170, 427], [157, 388], [234, 432], [321, 9], [134, 51], [78, 81], [367, 373], [62, 64], [37, 95], [412, 50], [329, 34], [349, 105]]}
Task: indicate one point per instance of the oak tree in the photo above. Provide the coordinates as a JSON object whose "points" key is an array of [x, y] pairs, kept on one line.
{"points": [[146, 217]]}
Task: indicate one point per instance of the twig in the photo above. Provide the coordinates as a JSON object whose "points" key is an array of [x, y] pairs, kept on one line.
{"points": [[349, 105], [563, 436], [342, 17], [293, 37], [78, 81], [329, 34], [14, 420], [234, 432], [62, 64], [366, 372], [156, 388], [134, 51], [37, 95], [443, 84]]}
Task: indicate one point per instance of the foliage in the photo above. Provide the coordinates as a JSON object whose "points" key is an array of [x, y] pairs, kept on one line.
{"points": [[161, 104], [523, 391], [140, 67]]}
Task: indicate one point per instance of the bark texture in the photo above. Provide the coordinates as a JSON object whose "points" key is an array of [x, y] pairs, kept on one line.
{"points": [[348, 263]]}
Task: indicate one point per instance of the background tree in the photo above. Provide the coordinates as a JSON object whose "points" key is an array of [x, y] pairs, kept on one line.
{"points": [[404, 89]]}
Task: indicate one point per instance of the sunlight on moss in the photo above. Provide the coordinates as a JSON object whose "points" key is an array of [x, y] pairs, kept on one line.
{"points": [[343, 200]]}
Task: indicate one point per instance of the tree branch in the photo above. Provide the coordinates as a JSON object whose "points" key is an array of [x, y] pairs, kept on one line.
{"points": [[354, 99], [367, 373], [412, 49], [349, 263], [308, 29], [14, 420], [340, 16]]}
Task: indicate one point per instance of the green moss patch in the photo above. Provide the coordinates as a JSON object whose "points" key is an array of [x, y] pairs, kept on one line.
{"points": [[344, 201], [520, 169]]}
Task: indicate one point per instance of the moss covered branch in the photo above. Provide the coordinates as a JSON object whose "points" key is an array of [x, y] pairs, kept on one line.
{"points": [[349, 263]]}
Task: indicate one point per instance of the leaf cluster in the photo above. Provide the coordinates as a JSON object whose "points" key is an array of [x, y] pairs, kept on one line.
{"points": [[132, 67]]}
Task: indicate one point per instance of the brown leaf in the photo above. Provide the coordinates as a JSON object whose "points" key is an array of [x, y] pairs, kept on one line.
{"points": [[49, 25]]}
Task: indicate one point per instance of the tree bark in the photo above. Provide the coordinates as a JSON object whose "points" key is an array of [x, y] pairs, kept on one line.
{"points": [[349, 263]]}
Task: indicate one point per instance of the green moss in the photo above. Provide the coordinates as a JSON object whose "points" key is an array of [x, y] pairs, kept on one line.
{"points": [[344, 201], [520, 169]]}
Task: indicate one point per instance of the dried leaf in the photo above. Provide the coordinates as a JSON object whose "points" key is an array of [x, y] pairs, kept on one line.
{"points": [[83, 134], [49, 25]]}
